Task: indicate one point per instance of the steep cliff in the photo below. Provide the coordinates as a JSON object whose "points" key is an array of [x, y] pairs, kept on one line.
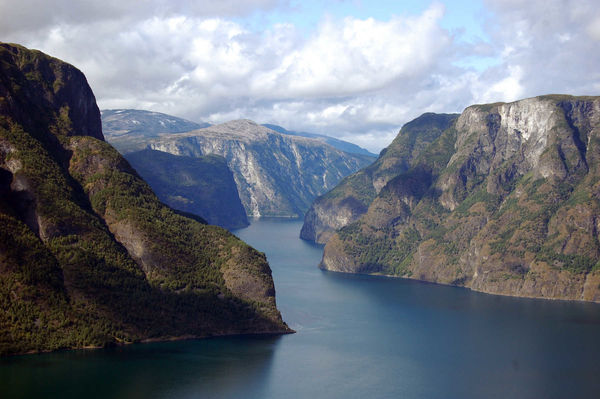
{"points": [[350, 199], [276, 175], [510, 207], [88, 255], [202, 186]]}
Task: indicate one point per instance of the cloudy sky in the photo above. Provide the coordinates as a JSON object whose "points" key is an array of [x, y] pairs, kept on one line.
{"points": [[355, 69]]}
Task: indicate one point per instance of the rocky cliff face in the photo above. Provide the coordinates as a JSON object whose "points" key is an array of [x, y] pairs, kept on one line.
{"points": [[88, 255], [350, 199], [505, 201], [203, 186], [276, 175]]}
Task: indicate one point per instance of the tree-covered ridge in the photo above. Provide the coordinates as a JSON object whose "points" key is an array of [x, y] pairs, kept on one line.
{"points": [[505, 201], [88, 255], [351, 198]]}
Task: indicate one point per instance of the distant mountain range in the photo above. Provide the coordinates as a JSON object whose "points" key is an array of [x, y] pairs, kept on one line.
{"points": [[277, 175], [123, 122], [277, 172], [332, 141], [124, 128]]}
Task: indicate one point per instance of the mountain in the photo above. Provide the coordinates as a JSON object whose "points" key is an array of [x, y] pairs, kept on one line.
{"points": [[339, 144], [505, 201], [124, 128], [264, 186], [276, 175], [350, 199], [202, 186], [88, 255]]}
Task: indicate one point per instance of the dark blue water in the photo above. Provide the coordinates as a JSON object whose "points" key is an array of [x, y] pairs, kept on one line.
{"points": [[357, 337]]}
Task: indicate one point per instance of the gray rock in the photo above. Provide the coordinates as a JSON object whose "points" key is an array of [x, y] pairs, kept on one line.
{"points": [[276, 175], [505, 201]]}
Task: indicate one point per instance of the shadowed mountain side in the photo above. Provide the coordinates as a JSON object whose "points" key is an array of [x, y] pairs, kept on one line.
{"points": [[350, 199], [88, 255], [202, 186]]}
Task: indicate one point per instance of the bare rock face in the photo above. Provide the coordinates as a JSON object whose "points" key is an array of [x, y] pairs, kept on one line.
{"points": [[324, 217], [510, 207], [276, 174]]}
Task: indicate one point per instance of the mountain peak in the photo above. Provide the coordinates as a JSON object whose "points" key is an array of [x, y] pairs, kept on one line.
{"points": [[238, 128], [241, 124], [58, 93]]}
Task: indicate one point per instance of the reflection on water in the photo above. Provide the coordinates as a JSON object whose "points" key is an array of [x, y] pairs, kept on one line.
{"points": [[220, 368], [357, 336]]}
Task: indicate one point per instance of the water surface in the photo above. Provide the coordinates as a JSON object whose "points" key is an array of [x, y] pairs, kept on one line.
{"points": [[357, 337]]}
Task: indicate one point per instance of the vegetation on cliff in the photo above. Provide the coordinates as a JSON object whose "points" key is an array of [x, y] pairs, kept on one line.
{"points": [[506, 200], [201, 186], [88, 255], [351, 198]]}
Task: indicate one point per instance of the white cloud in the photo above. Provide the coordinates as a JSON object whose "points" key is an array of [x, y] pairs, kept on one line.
{"points": [[549, 46], [39, 15], [212, 68], [359, 56], [593, 29], [360, 79], [508, 89]]}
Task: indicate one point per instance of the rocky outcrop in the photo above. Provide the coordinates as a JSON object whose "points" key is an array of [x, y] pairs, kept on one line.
{"points": [[510, 207], [276, 175], [350, 199], [88, 254], [38, 91]]}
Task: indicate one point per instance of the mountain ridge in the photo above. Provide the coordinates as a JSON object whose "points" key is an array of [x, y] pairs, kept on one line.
{"points": [[505, 201], [88, 255], [276, 175], [332, 141], [350, 199]]}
